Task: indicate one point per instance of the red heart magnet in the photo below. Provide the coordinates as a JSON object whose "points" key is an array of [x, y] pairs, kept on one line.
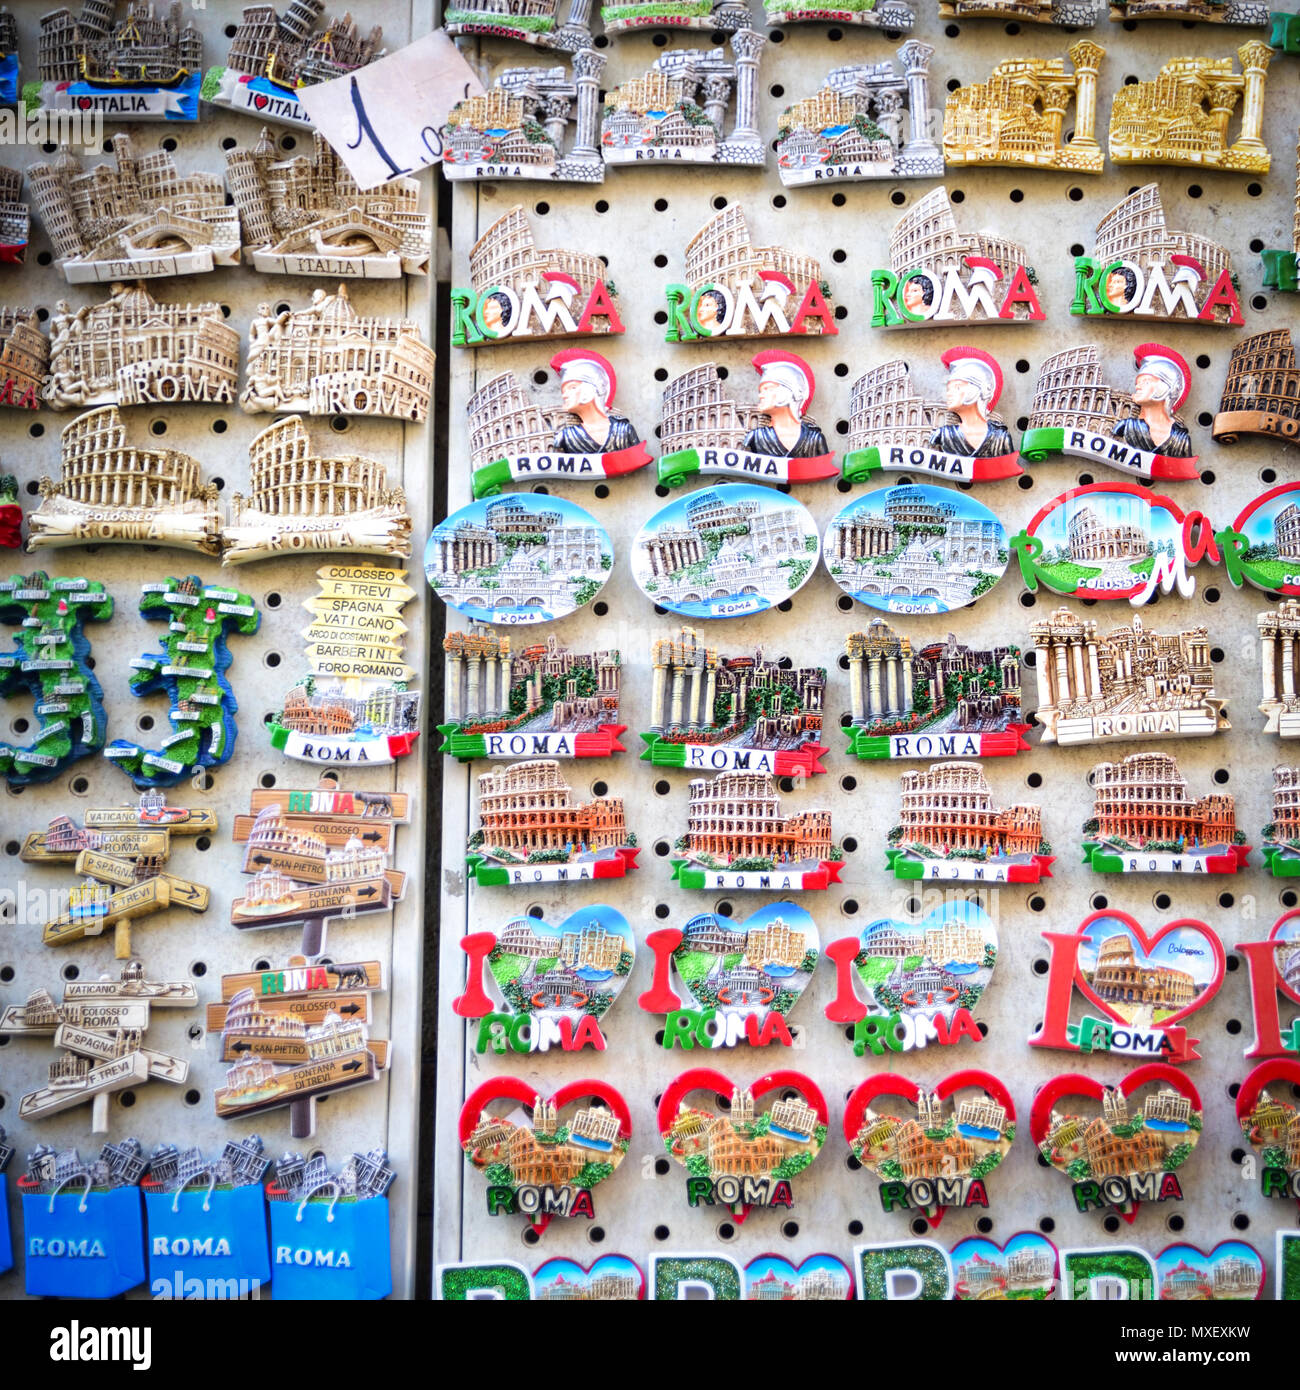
{"points": [[1274, 967], [1271, 1125]]}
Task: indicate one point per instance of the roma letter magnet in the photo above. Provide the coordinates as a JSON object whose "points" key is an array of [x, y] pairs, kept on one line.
{"points": [[269, 1011], [1259, 391], [1274, 969], [1262, 548]]}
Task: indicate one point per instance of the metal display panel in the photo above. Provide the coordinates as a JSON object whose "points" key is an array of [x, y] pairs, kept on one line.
{"points": [[177, 945], [639, 220]]}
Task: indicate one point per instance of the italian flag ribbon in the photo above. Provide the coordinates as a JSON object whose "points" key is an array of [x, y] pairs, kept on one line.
{"points": [[860, 464], [1108, 859], [689, 875], [1005, 744], [804, 761], [492, 477], [903, 864], [619, 865], [386, 749], [601, 742], [1035, 445], [1098, 1035], [675, 469]]}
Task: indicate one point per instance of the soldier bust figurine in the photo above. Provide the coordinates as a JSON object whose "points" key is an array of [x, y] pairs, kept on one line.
{"points": [[785, 388], [1159, 388], [972, 390], [587, 386]]}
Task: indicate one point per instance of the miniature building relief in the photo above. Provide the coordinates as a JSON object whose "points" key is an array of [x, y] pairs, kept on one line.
{"points": [[1071, 14], [1245, 12], [1261, 391], [15, 218], [24, 358], [1279, 636], [894, 16], [535, 22]]}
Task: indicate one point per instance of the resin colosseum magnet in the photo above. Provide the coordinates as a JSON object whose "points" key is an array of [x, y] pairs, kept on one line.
{"points": [[1261, 392], [894, 429], [583, 437], [544, 1157], [705, 430], [1281, 836], [528, 700], [724, 552], [550, 984], [538, 23], [915, 548], [712, 712], [736, 981], [518, 560], [922, 983], [1262, 546], [735, 289], [1275, 968], [942, 1156], [1137, 987], [854, 126]]}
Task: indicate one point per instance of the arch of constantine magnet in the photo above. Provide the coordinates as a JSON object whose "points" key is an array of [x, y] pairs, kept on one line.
{"points": [[1274, 965], [519, 291], [853, 127], [1261, 393], [1127, 683], [1262, 546], [725, 551], [136, 219], [940, 275], [1181, 117], [326, 359], [705, 430], [1279, 637], [718, 16], [915, 549], [518, 560], [658, 117], [519, 127], [24, 358], [1281, 836], [537, 23], [582, 438], [1026, 100], [1137, 987], [893, 428], [305, 215], [735, 289], [1145, 821], [892, 15]]}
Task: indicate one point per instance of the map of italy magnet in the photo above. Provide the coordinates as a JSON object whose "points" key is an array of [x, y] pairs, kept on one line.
{"points": [[915, 549], [724, 551], [526, 558]]}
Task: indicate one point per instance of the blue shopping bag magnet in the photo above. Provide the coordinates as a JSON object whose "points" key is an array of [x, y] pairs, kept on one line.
{"points": [[326, 1248], [207, 1242], [80, 1243]]}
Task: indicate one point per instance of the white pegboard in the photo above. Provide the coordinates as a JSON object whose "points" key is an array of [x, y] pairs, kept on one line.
{"points": [[640, 221], [178, 945]]}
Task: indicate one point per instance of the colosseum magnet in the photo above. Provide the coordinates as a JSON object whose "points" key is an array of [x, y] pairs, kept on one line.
{"points": [[1261, 392], [1262, 546], [895, 429], [1281, 836], [1274, 968], [915, 548], [1137, 987], [724, 552], [518, 560], [1270, 1125]]}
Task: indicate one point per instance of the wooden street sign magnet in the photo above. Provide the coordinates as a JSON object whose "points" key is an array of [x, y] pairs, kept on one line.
{"points": [[331, 813], [108, 868], [149, 811], [1261, 392], [95, 906], [1271, 1125], [1274, 968], [64, 843], [104, 1005]]}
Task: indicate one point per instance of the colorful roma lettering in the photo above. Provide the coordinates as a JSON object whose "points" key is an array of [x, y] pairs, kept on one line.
{"points": [[1274, 965]]}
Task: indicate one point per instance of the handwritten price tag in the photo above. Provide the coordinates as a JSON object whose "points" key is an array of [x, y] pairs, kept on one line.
{"points": [[384, 119]]}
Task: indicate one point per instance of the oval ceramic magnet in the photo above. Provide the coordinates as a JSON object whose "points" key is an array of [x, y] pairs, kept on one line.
{"points": [[1261, 392], [517, 560], [915, 549], [1232, 1272], [772, 1278], [1024, 1268], [556, 982], [724, 552], [1274, 968], [1262, 546], [1271, 1125], [940, 1156]]}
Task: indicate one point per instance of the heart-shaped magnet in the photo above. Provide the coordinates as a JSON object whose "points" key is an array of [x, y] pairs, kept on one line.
{"points": [[1271, 1124], [772, 1278], [1231, 1272], [612, 1279], [1026, 1267]]}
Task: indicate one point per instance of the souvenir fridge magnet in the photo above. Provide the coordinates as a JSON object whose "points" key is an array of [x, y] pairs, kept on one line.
{"points": [[1281, 836], [892, 427], [1245, 12], [583, 437], [820, 1278], [915, 548], [940, 1158], [610, 1279], [545, 1156], [1026, 1267], [50, 662], [1065, 14], [127, 831], [1274, 965], [658, 116], [1124, 684], [739, 980], [1272, 1126], [518, 290], [24, 352], [1129, 1153], [719, 16], [725, 552], [519, 127], [132, 228], [357, 705], [98, 1006], [1181, 116], [922, 982], [1262, 546], [11, 513], [539, 24], [1143, 268], [735, 1154], [705, 430], [555, 983], [1261, 392], [852, 128], [518, 560], [15, 218], [1016, 117], [890, 15], [330, 812]]}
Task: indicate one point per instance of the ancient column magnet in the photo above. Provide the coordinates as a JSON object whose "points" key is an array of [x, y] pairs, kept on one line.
{"points": [[518, 560], [50, 663], [1129, 1153], [922, 983], [1026, 1267], [517, 290], [735, 1154], [658, 117], [24, 350], [1274, 965], [551, 985], [894, 429], [1181, 116], [548, 702], [853, 126], [582, 438], [543, 1158], [940, 1158], [11, 513], [519, 127], [724, 552], [1257, 392], [540, 26], [269, 1011], [915, 548], [1016, 117], [573, 842], [738, 981], [1281, 836], [735, 289], [1262, 546]]}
